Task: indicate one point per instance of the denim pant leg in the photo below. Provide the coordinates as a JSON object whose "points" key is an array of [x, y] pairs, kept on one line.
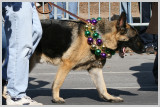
{"points": [[51, 15], [18, 27], [4, 43], [59, 12], [125, 6], [36, 29], [4, 54], [73, 8]]}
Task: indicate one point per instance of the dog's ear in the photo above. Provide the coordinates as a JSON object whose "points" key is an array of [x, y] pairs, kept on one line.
{"points": [[121, 23]]}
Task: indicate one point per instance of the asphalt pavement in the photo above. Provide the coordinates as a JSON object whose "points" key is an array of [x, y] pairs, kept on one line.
{"points": [[130, 78]]}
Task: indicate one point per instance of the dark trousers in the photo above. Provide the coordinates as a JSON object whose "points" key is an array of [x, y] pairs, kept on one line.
{"points": [[146, 38], [155, 67]]}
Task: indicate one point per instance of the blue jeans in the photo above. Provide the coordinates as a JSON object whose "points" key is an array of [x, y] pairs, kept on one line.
{"points": [[4, 53], [4, 43], [23, 33], [72, 9], [125, 6], [59, 12]]}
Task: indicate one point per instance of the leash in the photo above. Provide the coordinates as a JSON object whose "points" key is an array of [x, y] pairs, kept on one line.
{"points": [[52, 4]]}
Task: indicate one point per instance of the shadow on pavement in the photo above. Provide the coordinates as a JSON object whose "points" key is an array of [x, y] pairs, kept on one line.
{"points": [[36, 89], [39, 84], [73, 93], [145, 77], [91, 93], [143, 67]]}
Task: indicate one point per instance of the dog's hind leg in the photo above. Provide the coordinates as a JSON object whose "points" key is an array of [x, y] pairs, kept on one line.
{"points": [[63, 70], [97, 77], [32, 62]]}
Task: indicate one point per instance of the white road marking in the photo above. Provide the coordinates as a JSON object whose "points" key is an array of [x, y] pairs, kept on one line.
{"points": [[109, 72], [145, 87]]}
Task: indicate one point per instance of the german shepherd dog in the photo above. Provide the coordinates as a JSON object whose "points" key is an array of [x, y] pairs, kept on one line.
{"points": [[64, 44]]}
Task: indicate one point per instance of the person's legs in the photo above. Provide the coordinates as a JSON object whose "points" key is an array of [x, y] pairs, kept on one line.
{"points": [[4, 43], [4, 53], [155, 42], [4, 62], [59, 12], [155, 69], [146, 12], [36, 29], [18, 28], [125, 6], [73, 9], [51, 15], [145, 15], [129, 14], [23, 32], [4, 69], [147, 38]]}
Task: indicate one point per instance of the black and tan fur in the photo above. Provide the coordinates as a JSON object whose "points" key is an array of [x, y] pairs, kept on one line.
{"points": [[64, 44]]}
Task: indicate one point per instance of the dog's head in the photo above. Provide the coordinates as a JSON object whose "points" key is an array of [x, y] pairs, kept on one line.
{"points": [[119, 34], [134, 41]]}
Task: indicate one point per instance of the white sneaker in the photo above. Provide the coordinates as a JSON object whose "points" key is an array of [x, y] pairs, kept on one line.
{"points": [[21, 101], [4, 93], [37, 4]]}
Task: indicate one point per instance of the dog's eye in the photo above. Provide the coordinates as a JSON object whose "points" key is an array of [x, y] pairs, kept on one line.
{"points": [[123, 31]]}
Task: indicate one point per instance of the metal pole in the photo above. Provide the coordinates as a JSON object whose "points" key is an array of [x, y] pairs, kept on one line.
{"points": [[130, 11], [43, 11], [139, 24], [67, 7], [55, 11], [140, 12]]}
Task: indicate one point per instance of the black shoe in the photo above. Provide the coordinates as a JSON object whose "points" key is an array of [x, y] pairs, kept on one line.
{"points": [[4, 82], [156, 48], [149, 50]]}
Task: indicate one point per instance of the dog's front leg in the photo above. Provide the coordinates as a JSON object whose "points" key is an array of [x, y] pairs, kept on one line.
{"points": [[60, 77], [97, 77]]}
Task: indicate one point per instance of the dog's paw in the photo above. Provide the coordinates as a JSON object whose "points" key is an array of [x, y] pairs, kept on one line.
{"points": [[116, 100], [112, 99], [59, 100]]}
